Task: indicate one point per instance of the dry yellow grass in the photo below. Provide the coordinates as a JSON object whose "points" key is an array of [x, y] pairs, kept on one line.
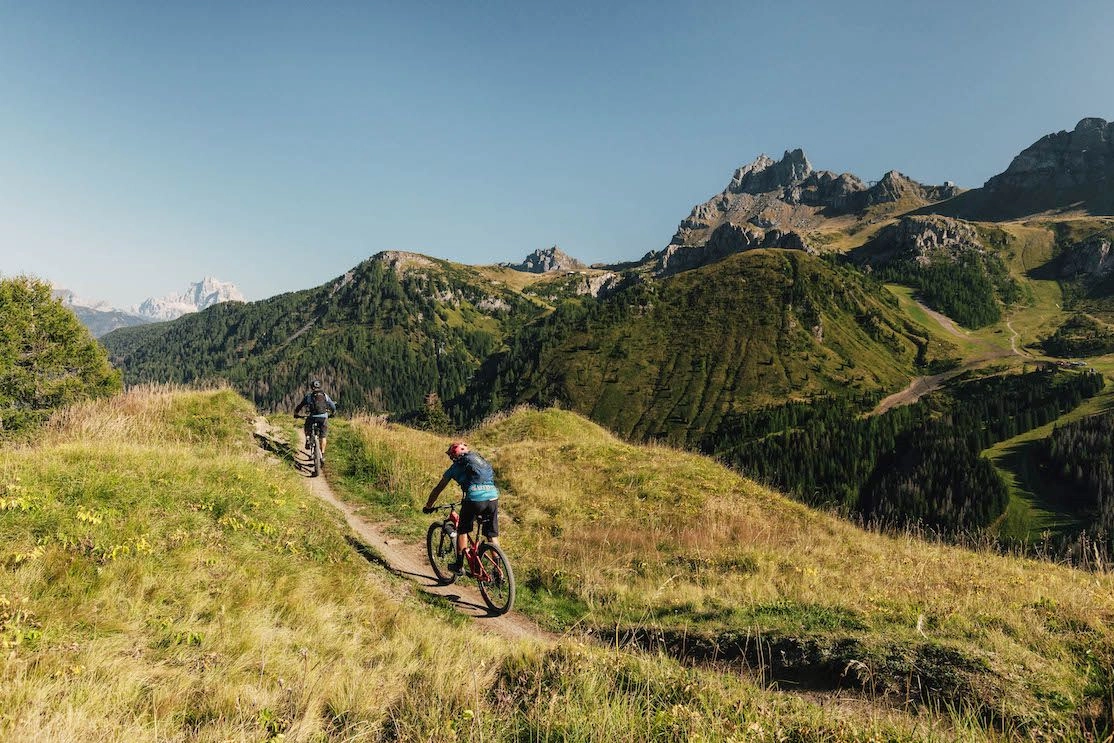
{"points": [[162, 580], [648, 535]]}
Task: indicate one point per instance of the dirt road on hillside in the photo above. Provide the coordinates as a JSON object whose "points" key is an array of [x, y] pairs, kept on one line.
{"points": [[401, 558], [921, 386]]}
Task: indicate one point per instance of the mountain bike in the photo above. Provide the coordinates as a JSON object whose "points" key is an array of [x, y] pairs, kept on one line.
{"points": [[483, 560], [313, 444]]}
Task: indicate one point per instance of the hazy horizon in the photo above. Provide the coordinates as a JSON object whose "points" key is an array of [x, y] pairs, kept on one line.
{"points": [[275, 146]]}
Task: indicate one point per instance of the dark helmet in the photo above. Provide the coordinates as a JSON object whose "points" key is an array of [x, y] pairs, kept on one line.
{"points": [[315, 384]]}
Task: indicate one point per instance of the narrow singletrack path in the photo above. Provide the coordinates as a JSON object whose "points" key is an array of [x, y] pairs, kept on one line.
{"points": [[401, 558], [410, 561]]}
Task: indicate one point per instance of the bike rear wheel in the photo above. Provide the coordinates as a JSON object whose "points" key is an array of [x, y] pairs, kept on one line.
{"points": [[496, 579], [440, 547], [316, 456]]}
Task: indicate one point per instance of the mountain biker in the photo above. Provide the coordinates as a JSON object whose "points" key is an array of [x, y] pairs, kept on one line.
{"points": [[318, 406], [477, 481]]}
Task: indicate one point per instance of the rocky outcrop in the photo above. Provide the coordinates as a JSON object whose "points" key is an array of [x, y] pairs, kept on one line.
{"points": [[597, 285], [923, 238], [727, 239], [896, 186], [547, 260], [1064, 171], [401, 261], [1090, 259], [789, 195], [1064, 167]]}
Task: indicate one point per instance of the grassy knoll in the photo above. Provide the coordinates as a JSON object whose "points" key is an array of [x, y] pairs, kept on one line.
{"points": [[675, 552], [161, 580]]}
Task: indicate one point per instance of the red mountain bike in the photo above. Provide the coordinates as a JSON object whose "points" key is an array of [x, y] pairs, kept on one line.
{"points": [[483, 560]]}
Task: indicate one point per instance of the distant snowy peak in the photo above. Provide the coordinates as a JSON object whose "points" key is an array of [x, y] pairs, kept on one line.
{"points": [[198, 296], [71, 300]]}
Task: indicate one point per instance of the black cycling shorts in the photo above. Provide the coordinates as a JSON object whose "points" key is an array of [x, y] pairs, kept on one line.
{"points": [[470, 509], [324, 422]]}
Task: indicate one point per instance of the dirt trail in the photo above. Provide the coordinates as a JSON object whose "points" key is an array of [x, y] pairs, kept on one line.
{"points": [[407, 560], [921, 386], [946, 322]]}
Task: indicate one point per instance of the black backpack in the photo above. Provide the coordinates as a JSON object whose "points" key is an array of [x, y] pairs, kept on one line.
{"points": [[317, 403]]}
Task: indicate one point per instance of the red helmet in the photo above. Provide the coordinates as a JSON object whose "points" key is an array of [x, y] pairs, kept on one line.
{"points": [[457, 449]]}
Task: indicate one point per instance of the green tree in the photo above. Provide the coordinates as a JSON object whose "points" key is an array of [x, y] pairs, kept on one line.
{"points": [[47, 358], [433, 416]]}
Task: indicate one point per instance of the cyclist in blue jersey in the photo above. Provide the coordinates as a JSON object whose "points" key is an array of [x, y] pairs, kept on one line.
{"points": [[477, 481], [318, 406]]}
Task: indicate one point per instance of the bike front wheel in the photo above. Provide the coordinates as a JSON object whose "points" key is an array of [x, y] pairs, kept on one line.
{"points": [[316, 456], [496, 579], [440, 546]]}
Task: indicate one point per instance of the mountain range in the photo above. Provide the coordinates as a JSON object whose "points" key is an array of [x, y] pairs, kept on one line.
{"points": [[102, 318], [790, 303]]}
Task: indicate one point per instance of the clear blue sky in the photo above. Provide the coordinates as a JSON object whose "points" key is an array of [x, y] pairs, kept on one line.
{"points": [[144, 145]]}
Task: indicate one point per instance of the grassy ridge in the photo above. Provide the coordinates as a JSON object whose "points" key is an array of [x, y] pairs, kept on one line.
{"points": [[163, 581], [667, 360], [650, 542], [390, 331]]}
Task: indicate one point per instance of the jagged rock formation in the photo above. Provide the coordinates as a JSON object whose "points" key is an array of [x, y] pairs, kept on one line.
{"points": [[1062, 171], [199, 296], [1089, 259], [727, 239], [896, 186], [922, 238], [598, 285], [789, 195], [547, 260]]}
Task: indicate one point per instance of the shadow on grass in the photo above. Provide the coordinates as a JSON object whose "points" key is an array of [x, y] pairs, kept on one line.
{"points": [[366, 552], [287, 452]]}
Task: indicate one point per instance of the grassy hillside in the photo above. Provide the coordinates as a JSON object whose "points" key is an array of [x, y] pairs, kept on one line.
{"points": [[669, 359], [381, 337], [164, 581], [677, 553]]}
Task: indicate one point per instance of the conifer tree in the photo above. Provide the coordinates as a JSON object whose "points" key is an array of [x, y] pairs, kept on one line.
{"points": [[47, 358]]}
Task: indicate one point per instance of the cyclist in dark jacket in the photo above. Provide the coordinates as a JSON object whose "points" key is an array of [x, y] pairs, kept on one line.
{"points": [[318, 405], [477, 481]]}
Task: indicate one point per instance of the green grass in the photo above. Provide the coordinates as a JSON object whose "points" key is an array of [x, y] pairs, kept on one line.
{"points": [[163, 580], [668, 549], [667, 361], [968, 346], [1034, 498]]}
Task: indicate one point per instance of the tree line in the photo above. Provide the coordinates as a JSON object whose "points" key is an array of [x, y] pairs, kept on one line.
{"points": [[1080, 456], [918, 464]]}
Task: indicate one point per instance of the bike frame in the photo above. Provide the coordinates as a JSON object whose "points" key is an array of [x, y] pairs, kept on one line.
{"points": [[472, 551]]}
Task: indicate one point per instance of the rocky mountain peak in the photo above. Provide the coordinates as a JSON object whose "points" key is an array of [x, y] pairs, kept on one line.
{"points": [[199, 296], [764, 174], [546, 260], [1060, 171]]}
